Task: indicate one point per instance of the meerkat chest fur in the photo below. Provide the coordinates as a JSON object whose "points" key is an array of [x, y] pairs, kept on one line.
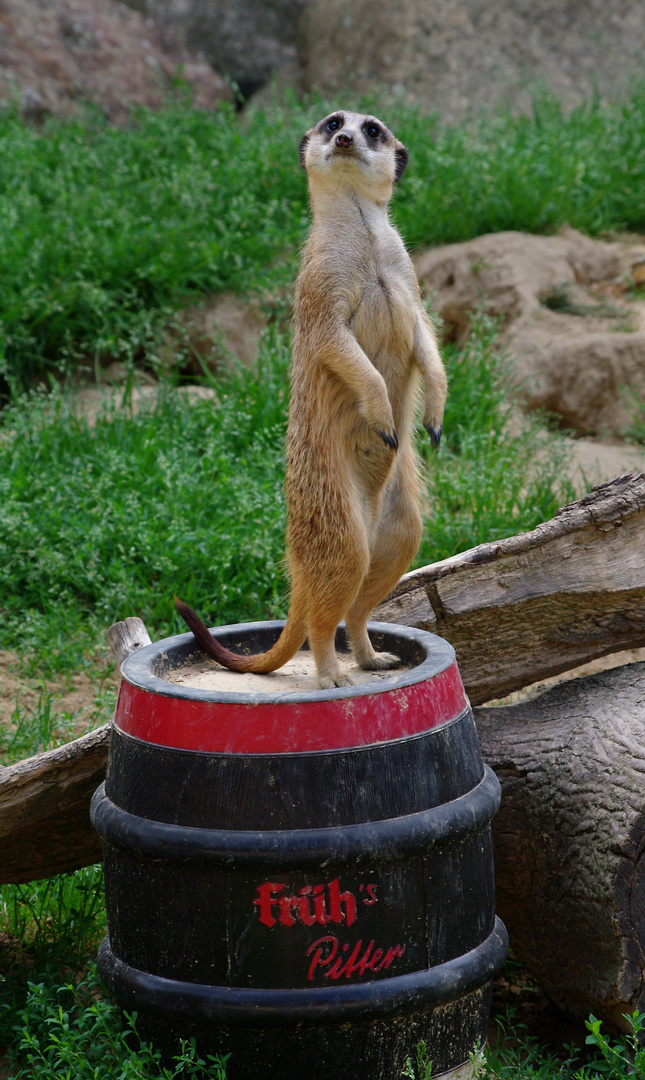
{"points": [[356, 275]]}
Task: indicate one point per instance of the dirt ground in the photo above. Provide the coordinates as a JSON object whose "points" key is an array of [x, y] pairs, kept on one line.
{"points": [[75, 699]]}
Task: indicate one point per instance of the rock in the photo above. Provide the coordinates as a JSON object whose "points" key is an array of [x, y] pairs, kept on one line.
{"points": [[458, 57], [56, 55], [567, 320], [210, 334], [589, 462], [248, 39], [577, 372]]}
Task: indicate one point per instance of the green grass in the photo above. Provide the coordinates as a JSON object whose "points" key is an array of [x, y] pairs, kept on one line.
{"points": [[102, 521], [106, 230], [55, 1019]]}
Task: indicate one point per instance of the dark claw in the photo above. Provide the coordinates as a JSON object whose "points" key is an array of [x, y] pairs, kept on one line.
{"points": [[390, 440], [435, 436]]}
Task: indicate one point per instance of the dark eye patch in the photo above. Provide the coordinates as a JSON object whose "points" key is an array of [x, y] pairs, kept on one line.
{"points": [[330, 125], [372, 130]]}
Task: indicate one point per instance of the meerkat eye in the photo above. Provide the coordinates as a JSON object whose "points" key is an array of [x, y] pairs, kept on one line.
{"points": [[334, 124], [373, 131]]}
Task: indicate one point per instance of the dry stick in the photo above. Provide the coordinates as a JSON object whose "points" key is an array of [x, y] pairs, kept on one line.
{"points": [[44, 800]]}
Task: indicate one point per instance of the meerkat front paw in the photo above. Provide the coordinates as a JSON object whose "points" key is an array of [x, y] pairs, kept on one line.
{"points": [[390, 439], [433, 432]]}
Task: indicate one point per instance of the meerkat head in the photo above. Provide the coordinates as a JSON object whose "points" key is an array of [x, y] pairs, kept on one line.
{"points": [[356, 149]]}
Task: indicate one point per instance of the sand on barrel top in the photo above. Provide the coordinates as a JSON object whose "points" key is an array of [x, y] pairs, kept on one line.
{"points": [[298, 675]]}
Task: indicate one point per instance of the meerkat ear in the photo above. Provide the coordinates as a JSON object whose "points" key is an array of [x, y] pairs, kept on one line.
{"points": [[401, 155], [303, 145]]}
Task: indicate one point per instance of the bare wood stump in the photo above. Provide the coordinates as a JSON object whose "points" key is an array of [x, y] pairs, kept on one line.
{"points": [[569, 838], [126, 637], [540, 603]]}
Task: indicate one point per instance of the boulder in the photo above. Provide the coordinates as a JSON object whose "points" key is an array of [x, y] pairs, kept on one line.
{"points": [[567, 313], [220, 331], [455, 57], [55, 55], [248, 39]]}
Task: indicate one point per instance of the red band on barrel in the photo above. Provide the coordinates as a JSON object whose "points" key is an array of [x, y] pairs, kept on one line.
{"points": [[290, 727]]}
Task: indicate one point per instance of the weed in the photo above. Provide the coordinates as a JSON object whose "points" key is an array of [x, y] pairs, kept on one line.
{"points": [[36, 728], [69, 1030], [619, 1058], [421, 1068], [105, 520]]}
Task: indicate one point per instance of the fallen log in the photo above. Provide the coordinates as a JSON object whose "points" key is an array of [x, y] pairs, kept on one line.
{"points": [[44, 800], [569, 838], [44, 809], [534, 605]]}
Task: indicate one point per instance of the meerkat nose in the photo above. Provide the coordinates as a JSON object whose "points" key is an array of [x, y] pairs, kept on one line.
{"points": [[342, 139]]}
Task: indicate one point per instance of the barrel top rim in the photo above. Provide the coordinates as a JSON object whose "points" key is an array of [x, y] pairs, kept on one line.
{"points": [[137, 668]]}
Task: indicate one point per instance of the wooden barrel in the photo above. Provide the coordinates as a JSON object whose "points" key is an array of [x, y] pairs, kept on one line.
{"points": [[302, 878]]}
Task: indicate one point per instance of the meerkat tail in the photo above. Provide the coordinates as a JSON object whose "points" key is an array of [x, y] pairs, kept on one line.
{"points": [[291, 639]]}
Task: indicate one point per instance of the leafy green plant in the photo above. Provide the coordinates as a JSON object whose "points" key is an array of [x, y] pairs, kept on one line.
{"points": [[103, 520], [609, 1058], [619, 1058], [421, 1067], [69, 1031], [67, 908]]}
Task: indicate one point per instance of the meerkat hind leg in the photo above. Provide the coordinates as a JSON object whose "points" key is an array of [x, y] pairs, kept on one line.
{"points": [[322, 644], [334, 599], [365, 653], [397, 543]]}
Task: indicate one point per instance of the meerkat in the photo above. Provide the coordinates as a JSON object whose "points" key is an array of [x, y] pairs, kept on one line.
{"points": [[361, 339]]}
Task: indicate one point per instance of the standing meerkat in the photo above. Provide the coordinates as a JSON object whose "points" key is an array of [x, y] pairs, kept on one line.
{"points": [[361, 338]]}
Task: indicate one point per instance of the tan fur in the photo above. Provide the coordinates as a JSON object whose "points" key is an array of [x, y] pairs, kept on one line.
{"points": [[361, 337]]}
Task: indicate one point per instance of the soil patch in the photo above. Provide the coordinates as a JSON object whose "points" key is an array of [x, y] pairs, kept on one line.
{"points": [[75, 703]]}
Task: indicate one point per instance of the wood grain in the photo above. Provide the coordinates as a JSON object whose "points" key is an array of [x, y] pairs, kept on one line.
{"points": [[569, 838], [44, 809], [534, 605]]}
